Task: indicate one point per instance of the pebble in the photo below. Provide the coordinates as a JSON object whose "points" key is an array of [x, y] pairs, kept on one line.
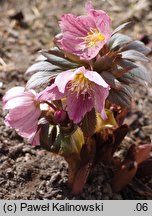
{"points": [[55, 177]]}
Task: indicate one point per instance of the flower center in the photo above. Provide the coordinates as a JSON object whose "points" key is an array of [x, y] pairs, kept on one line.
{"points": [[93, 37], [80, 84]]}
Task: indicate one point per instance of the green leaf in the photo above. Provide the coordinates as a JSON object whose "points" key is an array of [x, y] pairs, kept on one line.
{"points": [[88, 124], [58, 61], [121, 98], [118, 40], [127, 64], [120, 27], [40, 78], [111, 80], [138, 46], [138, 75], [128, 79], [134, 55], [42, 66], [141, 73], [55, 51], [128, 90]]}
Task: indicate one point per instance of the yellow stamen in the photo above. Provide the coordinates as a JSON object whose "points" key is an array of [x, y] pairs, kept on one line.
{"points": [[93, 37], [80, 84]]}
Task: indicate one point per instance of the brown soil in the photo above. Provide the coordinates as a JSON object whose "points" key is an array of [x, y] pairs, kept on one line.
{"points": [[28, 172]]}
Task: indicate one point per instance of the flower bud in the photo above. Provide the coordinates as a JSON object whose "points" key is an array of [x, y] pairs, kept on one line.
{"points": [[59, 116]]}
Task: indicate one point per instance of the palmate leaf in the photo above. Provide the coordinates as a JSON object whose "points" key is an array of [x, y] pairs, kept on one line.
{"points": [[120, 27], [128, 90], [141, 73], [128, 79], [120, 72], [42, 66], [134, 55], [138, 46], [51, 63], [124, 63], [138, 75], [111, 80], [122, 98], [40, 78], [58, 60], [55, 51], [40, 58], [118, 40]]}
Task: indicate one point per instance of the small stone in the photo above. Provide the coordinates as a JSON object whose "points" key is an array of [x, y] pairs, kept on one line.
{"points": [[59, 196], [55, 177]]}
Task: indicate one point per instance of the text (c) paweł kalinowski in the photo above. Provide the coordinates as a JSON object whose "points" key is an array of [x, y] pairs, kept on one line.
{"points": [[61, 207]]}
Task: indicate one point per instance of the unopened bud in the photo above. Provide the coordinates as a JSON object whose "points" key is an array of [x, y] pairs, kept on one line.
{"points": [[59, 116]]}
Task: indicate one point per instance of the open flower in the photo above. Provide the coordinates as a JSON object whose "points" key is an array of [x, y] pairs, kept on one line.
{"points": [[84, 90], [84, 35], [24, 112]]}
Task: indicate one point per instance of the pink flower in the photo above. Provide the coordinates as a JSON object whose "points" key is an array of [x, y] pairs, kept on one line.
{"points": [[84, 35], [24, 112], [84, 90]]}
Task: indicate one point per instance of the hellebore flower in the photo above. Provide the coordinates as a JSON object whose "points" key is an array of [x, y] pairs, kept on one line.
{"points": [[85, 35], [83, 89], [24, 112]]}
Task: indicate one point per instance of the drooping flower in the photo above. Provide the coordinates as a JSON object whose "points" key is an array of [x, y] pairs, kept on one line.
{"points": [[83, 89], [24, 112], [84, 35]]}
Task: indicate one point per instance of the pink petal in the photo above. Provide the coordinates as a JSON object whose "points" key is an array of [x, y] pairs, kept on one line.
{"points": [[78, 106], [96, 78], [103, 23], [89, 6], [13, 92], [18, 101], [20, 112], [25, 125], [100, 94], [70, 23], [50, 93], [30, 124], [35, 138], [63, 78], [75, 28]]}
